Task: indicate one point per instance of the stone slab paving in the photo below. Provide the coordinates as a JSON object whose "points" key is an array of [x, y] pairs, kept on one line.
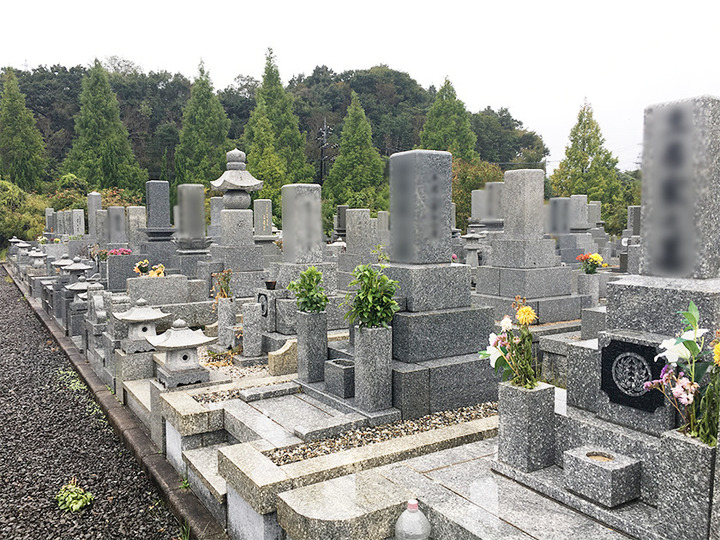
{"points": [[456, 489]]}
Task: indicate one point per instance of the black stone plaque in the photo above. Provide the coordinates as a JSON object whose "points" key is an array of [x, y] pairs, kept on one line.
{"points": [[263, 301], [625, 368]]}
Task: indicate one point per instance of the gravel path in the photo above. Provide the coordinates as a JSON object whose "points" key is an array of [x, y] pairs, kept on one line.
{"points": [[51, 430]]}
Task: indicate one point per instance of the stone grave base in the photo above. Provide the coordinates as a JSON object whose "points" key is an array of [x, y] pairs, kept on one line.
{"points": [[549, 309]]}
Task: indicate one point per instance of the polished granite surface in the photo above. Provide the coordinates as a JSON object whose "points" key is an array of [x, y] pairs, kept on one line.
{"points": [[459, 494]]}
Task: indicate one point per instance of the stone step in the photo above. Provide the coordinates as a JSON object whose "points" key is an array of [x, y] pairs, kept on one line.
{"points": [[246, 423], [136, 395], [205, 481]]}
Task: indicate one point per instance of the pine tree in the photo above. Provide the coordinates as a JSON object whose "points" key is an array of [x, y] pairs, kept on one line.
{"points": [[289, 142], [200, 156], [22, 149], [588, 167], [448, 126], [358, 166], [263, 161], [101, 152]]}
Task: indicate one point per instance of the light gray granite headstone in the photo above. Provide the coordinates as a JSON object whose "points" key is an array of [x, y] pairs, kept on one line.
{"points": [[523, 203], [48, 219], [477, 204], [191, 204], [94, 203], [302, 224], [78, 222], [681, 189], [633, 220], [101, 226], [117, 224], [559, 215], [420, 191], [579, 213], [137, 220]]}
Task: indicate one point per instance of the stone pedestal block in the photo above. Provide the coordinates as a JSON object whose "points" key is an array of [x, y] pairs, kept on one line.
{"points": [[527, 426], [589, 285], [252, 330], [432, 286], [227, 315], [312, 345], [603, 476], [340, 377], [373, 372]]}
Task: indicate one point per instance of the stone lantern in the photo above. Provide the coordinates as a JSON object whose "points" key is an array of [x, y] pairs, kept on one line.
{"points": [[236, 182], [38, 258], [180, 345], [14, 241], [141, 320], [80, 286], [76, 269], [61, 263]]}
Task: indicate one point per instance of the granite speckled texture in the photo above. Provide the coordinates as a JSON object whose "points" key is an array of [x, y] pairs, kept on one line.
{"points": [[594, 320], [312, 345], [583, 383], [340, 377], [432, 286], [373, 372], [609, 483], [437, 334], [685, 499], [651, 303], [527, 426]]}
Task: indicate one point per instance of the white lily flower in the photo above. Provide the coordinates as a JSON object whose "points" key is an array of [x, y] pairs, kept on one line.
{"points": [[690, 334], [492, 339], [674, 352], [506, 324], [494, 353]]}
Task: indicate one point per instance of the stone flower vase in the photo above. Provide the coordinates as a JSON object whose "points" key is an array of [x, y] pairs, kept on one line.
{"points": [[526, 438], [312, 348], [589, 284], [103, 269], [685, 498], [227, 317], [373, 368]]}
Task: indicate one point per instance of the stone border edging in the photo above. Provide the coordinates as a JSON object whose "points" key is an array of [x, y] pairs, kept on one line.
{"points": [[183, 503]]}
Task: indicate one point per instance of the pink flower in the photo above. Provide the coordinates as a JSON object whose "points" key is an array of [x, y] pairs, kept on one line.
{"points": [[678, 391], [686, 399]]}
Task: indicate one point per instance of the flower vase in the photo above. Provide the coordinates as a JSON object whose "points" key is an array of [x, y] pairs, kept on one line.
{"points": [[526, 437], [373, 368], [227, 320], [589, 285], [685, 498], [312, 351]]}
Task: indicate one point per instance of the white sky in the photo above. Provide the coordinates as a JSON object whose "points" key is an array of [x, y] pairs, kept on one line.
{"points": [[540, 59]]}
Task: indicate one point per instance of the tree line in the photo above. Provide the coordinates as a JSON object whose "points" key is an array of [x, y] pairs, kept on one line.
{"points": [[113, 126]]}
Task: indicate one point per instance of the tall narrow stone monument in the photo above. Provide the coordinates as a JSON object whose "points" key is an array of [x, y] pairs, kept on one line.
{"points": [[159, 244], [192, 244]]}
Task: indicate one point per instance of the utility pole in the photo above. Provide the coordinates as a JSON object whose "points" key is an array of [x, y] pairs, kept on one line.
{"points": [[322, 139]]}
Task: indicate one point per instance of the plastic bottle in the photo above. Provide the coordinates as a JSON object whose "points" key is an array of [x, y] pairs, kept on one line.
{"points": [[412, 524]]}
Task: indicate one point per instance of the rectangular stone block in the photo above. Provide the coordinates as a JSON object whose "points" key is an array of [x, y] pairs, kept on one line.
{"points": [[432, 287], [603, 476], [594, 320], [583, 384], [302, 224], [681, 189], [526, 437], [460, 381], [157, 193], [411, 389], [535, 282], [340, 377], [523, 203], [522, 253], [262, 217], [420, 197], [437, 334]]}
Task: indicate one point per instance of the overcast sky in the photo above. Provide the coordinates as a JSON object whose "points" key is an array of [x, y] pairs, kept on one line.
{"points": [[540, 59]]}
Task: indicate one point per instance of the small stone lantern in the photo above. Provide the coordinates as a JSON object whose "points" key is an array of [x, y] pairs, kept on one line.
{"points": [[61, 263], [79, 287], [236, 182], [38, 258], [180, 345], [141, 320], [76, 269]]}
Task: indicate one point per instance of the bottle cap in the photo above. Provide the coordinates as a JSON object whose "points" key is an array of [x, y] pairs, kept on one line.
{"points": [[412, 505]]}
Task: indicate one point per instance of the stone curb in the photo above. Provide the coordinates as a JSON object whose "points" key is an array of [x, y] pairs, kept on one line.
{"points": [[183, 503]]}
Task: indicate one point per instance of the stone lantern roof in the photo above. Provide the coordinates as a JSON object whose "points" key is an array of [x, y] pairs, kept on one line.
{"points": [[63, 261], [15, 240], [140, 313], [81, 285], [23, 245], [77, 266], [37, 254], [179, 337], [236, 177]]}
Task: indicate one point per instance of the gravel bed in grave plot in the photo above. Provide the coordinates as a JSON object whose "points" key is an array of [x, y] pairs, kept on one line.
{"points": [[51, 431], [355, 438]]}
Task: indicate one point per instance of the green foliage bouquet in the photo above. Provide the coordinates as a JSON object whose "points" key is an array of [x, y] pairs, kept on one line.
{"points": [[697, 404], [373, 304], [309, 294], [513, 352]]}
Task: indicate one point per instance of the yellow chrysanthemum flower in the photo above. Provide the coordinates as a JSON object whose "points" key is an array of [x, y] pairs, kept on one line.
{"points": [[716, 354], [596, 257], [526, 315]]}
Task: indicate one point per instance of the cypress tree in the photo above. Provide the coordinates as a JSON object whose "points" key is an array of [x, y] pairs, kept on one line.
{"points": [[101, 152], [264, 162], [289, 142], [358, 166], [448, 126], [22, 149], [200, 156]]}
